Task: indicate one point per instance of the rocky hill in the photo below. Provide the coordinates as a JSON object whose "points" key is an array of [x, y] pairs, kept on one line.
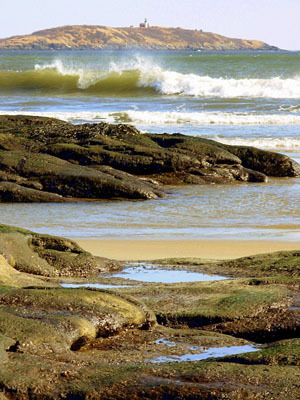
{"points": [[102, 37]]}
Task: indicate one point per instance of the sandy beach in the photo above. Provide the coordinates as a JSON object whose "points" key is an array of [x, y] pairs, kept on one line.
{"points": [[130, 250]]}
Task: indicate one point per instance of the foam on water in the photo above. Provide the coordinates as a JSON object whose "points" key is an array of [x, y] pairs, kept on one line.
{"points": [[158, 118], [92, 285], [270, 143], [202, 118]]}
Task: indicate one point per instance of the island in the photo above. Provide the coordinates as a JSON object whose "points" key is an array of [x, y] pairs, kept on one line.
{"points": [[96, 37]]}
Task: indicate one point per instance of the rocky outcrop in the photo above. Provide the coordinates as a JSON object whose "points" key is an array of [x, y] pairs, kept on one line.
{"points": [[103, 37], [9, 276], [281, 263], [45, 255], [52, 319], [273, 164], [45, 159]]}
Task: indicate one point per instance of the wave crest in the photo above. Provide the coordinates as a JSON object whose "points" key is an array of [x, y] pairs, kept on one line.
{"points": [[141, 77]]}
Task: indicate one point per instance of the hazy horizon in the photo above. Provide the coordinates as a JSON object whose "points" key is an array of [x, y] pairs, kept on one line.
{"points": [[272, 21]]}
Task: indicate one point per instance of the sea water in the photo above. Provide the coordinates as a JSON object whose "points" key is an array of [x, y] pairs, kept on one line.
{"points": [[242, 98]]}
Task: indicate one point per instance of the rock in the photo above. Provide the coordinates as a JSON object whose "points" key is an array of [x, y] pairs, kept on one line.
{"points": [[45, 159], [59, 176], [12, 192], [258, 313], [48, 319], [9, 276], [280, 265], [46, 255], [272, 164]]}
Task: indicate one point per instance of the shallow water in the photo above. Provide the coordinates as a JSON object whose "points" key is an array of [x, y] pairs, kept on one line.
{"points": [[148, 273], [244, 211], [92, 285], [212, 352]]}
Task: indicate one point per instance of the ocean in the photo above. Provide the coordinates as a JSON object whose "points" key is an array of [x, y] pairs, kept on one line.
{"points": [[243, 98]]}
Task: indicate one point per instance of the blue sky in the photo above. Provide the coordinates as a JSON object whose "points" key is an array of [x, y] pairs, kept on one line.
{"points": [[273, 21]]}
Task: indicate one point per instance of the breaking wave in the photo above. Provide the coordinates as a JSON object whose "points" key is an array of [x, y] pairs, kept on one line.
{"points": [[141, 77]]}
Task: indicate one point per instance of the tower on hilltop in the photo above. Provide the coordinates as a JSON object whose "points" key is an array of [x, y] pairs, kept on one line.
{"points": [[144, 24]]}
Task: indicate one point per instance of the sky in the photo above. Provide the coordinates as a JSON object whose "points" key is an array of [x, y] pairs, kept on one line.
{"points": [[276, 22]]}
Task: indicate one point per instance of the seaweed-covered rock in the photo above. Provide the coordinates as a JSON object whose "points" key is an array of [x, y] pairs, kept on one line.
{"points": [[45, 159]]}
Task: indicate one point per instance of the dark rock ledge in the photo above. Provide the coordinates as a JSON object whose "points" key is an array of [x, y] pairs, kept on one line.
{"points": [[48, 160]]}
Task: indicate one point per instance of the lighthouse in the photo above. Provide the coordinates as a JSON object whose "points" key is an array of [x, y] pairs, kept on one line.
{"points": [[144, 24]]}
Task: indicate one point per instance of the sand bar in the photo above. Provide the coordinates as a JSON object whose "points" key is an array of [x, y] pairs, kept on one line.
{"points": [[155, 249]]}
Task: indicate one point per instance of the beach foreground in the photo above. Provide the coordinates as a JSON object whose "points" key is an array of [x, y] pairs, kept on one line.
{"points": [[232, 334], [132, 250]]}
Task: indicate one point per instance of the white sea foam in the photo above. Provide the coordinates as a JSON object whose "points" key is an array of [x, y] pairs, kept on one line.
{"points": [[203, 118], [161, 118], [170, 82], [267, 143], [167, 82], [293, 108]]}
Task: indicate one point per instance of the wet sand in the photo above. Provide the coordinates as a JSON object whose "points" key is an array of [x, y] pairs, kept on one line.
{"points": [[131, 250]]}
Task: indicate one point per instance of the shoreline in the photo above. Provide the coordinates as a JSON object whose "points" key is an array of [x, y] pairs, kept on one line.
{"points": [[133, 250]]}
